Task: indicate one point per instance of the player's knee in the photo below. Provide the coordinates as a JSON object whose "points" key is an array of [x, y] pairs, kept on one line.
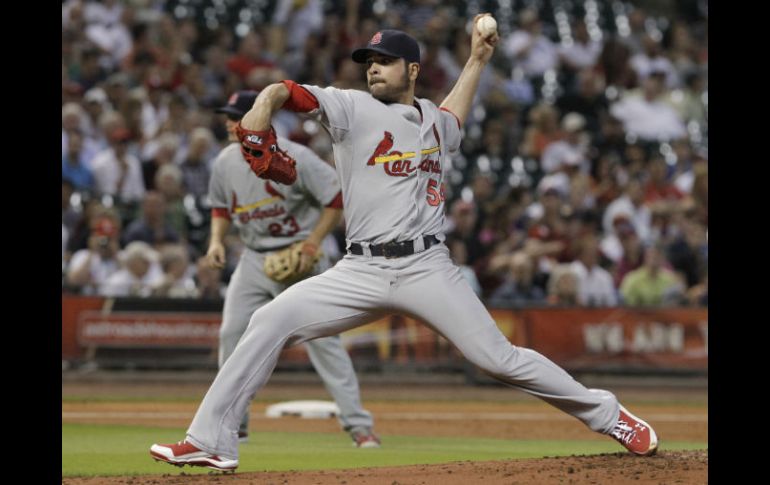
{"points": [[270, 319], [500, 362]]}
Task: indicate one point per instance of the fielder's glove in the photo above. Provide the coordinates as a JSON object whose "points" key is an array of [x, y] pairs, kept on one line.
{"points": [[285, 266], [265, 157]]}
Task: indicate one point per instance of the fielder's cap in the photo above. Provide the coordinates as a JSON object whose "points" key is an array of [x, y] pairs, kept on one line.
{"points": [[392, 43], [239, 103]]}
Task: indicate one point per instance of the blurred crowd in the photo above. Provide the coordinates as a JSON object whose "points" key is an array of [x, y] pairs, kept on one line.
{"points": [[582, 179]]}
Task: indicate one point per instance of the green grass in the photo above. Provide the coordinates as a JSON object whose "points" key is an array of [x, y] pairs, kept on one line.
{"points": [[124, 450]]}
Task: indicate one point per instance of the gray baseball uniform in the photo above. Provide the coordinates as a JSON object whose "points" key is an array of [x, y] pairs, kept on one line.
{"points": [[270, 216], [390, 159]]}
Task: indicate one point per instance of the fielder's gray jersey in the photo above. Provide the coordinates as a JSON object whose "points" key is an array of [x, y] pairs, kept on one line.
{"points": [[390, 161], [270, 215]]}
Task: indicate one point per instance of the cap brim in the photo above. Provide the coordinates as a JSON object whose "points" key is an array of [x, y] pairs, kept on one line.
{"points": [[359, 55], [229, 110]]}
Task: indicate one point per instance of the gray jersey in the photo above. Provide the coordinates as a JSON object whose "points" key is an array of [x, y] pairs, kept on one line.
{"points": [[267, 214], [390, 159]]}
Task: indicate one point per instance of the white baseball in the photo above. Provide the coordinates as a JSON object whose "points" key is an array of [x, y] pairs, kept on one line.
{"points": [[487, 26]]}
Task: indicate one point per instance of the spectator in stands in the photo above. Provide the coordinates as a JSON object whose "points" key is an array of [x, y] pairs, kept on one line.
{"points": [[459, 254], [611, 138], [116, 86], [659, 191], [463, 217], [647, 116], [606, 175], [73, 120], [152, 228], [615, 66], [654, 284], [519, 286], [544, 130], [251, 54], [699, 195], [547, 235], [215, 75], [651, 60], [108, 29], [688, 101], [195, 168], [562, 287], [433, 85], [95, 104], [168, 181], [630, 255], [80, 224], [681, 47], [637, 23], [685, 157], [90, 268], [349, 76], [75, 164], [144, 52], [140, 273], [587, 99], [91, 71], [177, 281], [583, 52], [154, 104], [130, 114], [166, 146], [69, 218], [529, 48], [181, 120], [483, 188], [631, 206], [117, 172], [698, 295], [595, 286], [688, 252], [291, 24], [572, 149]]}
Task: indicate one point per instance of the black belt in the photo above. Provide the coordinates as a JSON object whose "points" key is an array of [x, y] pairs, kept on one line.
{"points": [[393, 249]]}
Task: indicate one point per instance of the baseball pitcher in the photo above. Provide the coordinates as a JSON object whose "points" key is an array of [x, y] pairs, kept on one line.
{"points": [[391, 152], [282, 227]]}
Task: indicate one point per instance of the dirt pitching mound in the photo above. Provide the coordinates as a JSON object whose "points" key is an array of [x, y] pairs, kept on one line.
{"points": [[667, 467]]}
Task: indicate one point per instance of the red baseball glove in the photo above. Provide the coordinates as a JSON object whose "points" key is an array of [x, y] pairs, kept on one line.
{"points": [[265, 157]]}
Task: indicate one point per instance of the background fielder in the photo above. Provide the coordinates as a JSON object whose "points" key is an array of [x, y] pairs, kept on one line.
{"points": [[270, 216]]}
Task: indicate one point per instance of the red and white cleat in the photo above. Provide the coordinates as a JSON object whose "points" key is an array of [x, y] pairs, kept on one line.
{"points": [[364, 438], [634, 434], [184, 453]]}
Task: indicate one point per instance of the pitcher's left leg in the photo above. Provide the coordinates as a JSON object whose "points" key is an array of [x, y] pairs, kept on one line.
{"points": [[441, 297]]}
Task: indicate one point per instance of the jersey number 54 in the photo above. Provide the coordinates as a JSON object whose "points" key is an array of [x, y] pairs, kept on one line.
{"points": [[435, 197]]}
